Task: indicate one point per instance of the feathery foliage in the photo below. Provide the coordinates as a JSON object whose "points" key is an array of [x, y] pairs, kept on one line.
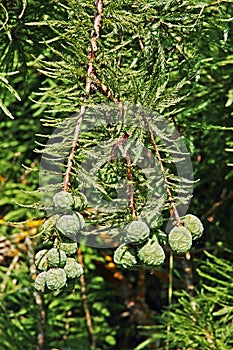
{"points": [[203, 321], [170, 57]]}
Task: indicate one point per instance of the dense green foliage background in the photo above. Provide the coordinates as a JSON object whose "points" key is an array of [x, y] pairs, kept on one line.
{"points": [[176, 58]]}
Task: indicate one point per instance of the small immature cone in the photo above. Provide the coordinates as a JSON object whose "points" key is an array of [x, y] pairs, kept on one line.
{"points": [[151, 254], [194, 225], [137, 231], [70, 225], [56, 257], [63, 200], [125, 257], [180, 239], [73, 269], [55, 278]]}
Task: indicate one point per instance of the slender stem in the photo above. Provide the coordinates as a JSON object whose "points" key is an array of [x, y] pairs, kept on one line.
{"points": [[177, 217], [169, 193], [85, 304], [141, 44], [106, 90], [130, 187], [170, 286], [188, 277], [141, 284], [90, 77], [170, 291], [73, 149], [129, 172]]}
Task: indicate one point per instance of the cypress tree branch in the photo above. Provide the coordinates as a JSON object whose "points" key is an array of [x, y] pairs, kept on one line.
{"points": [[90, 77]]}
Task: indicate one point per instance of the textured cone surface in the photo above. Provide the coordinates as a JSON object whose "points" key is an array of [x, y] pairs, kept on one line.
{"points": [[69, 248], [137, 231], [194, 225], [55, 278], [125, 256], [56, 257], [73, 269], [180, 240], [70, 225], [40, 282], [41, 261], [151, 254], [63, 200]]}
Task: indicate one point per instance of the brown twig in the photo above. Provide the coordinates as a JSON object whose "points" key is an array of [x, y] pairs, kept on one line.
{"points": [[106, 91], [169, 193], [118, 143], [73, 149], [130, 186], [90, 77], [89, 80], [85, 305], [129, 172], [188, 277], [141, 44], [170, 292], [141, 284]]}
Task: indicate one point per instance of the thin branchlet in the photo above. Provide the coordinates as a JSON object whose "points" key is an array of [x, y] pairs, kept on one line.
{"points": [[89, 80], [159, 158]]}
